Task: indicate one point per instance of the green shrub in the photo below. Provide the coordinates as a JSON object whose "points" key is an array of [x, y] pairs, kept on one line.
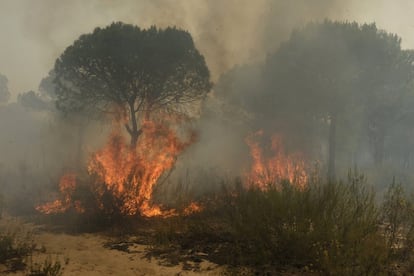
{"points": [[398, 221], [332, 227]]}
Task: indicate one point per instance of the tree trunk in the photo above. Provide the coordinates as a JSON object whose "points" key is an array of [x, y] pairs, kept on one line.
{"points": [[332, 147], [133, 130], [134, 138]]}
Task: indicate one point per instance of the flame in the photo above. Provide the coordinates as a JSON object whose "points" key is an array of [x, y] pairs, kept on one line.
{"points": [[67, 186], [192, 208], [280, 166], [131, 174]]}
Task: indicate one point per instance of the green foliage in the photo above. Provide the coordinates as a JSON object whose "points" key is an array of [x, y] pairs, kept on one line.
{"points": [[398, 219], [139, 71], [332, 227], [352, 78], [335, 228]]}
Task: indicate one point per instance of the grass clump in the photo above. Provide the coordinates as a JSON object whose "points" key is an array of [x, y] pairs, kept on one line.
{"points": [[16, 244], [48, 267], [18, 250]]}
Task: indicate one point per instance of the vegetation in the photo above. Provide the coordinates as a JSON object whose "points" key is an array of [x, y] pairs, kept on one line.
{"points": [[139, 71], [332, 87], [339, 85], [17, 248], [333, 228], [15, 245], [49, 267]]}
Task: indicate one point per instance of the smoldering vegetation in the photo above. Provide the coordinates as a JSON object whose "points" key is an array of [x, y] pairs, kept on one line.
{"points": [[299, 159]]}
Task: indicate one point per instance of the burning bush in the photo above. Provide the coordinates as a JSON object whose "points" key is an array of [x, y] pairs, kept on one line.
{"points": [[122, 177], [275, 166]]}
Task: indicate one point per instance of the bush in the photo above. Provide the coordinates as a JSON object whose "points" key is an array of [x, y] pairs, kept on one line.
{"points": [[329, 228], [333, 227], [398, 221]]}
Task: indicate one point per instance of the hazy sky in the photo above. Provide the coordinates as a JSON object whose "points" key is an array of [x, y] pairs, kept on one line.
{"points": [[34, 32]]}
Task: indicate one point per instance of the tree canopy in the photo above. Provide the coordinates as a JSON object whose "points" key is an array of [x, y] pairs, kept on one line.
{"points": [[140, 71], [328, 70], [331, 87]]}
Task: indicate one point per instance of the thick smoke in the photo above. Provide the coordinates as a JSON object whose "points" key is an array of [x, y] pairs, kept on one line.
{"points": [[228, 33]]}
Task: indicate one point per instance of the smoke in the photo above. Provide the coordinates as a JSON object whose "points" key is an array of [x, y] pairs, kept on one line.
{"points": [[227, 32]]}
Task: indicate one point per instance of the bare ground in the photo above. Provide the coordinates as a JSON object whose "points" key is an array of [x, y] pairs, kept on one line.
{"points": [[99, 254]]}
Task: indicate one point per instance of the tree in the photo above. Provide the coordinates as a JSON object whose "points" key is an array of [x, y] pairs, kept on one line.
{"points": [[47, 89], [236, 91], [4, 90], [322, 72], [139, 71], [388, 83], [32, 100]]}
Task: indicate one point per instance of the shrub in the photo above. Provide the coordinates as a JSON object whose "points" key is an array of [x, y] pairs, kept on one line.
{"points": [[398, 221], [15, 244], [333, 227]]}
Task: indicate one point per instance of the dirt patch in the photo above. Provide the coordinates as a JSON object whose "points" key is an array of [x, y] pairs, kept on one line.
{"points": [[100, 254]]}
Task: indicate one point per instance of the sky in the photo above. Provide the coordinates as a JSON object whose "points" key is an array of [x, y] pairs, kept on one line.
{"points": [[227, 32]]}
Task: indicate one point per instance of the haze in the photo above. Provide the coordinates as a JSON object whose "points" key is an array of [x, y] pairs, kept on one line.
{"points": [[34, 33]]}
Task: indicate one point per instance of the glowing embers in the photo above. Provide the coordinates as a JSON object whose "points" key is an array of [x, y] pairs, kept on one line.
{"points": [[271, 165]]}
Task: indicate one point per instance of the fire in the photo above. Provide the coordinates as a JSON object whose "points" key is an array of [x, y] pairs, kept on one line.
{"points": [[131, 174], [192, 208], [269, 170], [67, 186]]}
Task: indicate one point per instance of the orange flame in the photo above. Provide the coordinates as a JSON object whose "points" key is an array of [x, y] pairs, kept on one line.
{"points": [[67, 186], [267, 171], [131, 174], [192, 208]]}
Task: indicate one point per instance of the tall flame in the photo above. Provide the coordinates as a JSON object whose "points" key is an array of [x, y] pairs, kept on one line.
{"points": [[128, 173], [131, 174], [269, 170]]}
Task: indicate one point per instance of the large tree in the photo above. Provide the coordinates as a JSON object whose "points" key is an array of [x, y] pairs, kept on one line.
{"points": [[328, 70], [139, 71]]}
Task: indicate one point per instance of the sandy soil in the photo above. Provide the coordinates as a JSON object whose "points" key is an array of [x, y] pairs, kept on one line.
{"points": [[85, 254]]}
